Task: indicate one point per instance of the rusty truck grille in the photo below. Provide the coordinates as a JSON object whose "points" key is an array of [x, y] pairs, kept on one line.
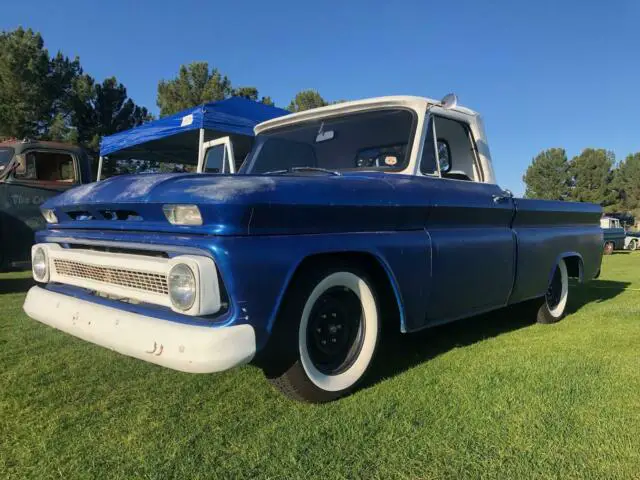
{"points": [[143, 281]]}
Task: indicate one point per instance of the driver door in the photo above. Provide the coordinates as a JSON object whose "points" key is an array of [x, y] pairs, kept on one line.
{"points": [[218, 157], [469, 223]]}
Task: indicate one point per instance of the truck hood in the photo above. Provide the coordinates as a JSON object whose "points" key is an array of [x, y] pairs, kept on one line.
{"points": [[247, 204]]}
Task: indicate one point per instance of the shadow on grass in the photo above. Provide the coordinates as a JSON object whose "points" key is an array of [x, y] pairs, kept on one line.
{"points": [[15, 285], [399, 352], [595, 291]]}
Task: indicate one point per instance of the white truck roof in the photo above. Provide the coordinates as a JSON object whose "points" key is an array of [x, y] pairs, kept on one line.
{"points": [[417, 103]]}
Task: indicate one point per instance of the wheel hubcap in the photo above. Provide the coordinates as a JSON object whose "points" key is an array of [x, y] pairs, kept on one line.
{"points": [[335, 331]]}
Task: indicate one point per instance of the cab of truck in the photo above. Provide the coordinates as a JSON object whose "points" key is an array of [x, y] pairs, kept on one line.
{"points": [[454, 147], [31, 172]]}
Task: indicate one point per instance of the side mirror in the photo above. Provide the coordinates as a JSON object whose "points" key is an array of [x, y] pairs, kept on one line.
{"points": [[449, 101]]}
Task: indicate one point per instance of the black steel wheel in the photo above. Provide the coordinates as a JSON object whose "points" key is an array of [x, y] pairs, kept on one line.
{"points": [[326, 336]]}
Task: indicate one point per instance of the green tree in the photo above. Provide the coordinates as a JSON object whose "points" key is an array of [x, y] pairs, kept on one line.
{"points": [[246, 92], [548, 176], [51, 97], [34, 88], [62, 76], [305, 100], [60, 130], [592, 175], [626, 183], [251, 93], [267, 101], [103, 109], [194, 85]]}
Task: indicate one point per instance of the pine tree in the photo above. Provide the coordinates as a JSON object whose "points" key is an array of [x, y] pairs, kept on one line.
{"points": [[548, 176]]}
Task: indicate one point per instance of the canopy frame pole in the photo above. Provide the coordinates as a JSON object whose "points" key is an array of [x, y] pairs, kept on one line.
{"points": [[99, 174], [201, 151]]}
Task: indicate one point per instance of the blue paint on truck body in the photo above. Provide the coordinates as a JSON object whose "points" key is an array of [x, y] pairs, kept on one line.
{"points": [[448, 248]]}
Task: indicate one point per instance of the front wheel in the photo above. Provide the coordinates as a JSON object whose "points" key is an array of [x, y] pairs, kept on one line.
{"points": [[633, 245], [555, 301], [335, 315]]}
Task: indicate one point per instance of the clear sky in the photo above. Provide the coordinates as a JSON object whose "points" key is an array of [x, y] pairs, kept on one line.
{"points": [[562, 73]]}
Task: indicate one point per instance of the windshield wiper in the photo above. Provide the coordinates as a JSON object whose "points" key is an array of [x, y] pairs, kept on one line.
{"points": [[303, 169], [316, 169]]}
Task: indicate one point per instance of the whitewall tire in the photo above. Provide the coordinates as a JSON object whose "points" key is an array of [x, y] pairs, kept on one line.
{"points": [[368, 331], [337, 316], [554, 306]]}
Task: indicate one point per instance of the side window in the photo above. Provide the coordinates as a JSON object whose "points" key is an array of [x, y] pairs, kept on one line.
{"points": [[218, 156], [428, 165], [214, 159], [46, 167], [456, 153]]}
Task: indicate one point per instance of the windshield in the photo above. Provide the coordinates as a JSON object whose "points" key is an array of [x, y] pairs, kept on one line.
{"points": [[5, 157], [376, 140]]}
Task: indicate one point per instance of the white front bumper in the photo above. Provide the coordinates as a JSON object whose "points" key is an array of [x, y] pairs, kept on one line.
{"points": [[188, 348]]}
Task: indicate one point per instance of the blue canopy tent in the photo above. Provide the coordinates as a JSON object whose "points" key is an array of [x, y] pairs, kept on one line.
{"points": [[180, 138]]}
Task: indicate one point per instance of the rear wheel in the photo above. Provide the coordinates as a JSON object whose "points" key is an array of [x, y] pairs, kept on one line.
{"points": [[553, 309], [633, 244], [327, 336], [608, 248]]}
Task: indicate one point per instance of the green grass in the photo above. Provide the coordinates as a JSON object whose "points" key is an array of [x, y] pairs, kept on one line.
{"points": [[493, 397]]}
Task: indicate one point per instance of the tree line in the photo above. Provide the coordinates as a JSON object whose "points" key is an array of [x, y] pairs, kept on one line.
{"points": [[51, 97], [592, 176]]}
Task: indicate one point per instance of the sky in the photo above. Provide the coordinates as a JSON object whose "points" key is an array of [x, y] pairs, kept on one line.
{"points": [[543, 74]]}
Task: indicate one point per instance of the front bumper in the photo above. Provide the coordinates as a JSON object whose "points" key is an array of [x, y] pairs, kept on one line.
{"points": [[184, 347]]}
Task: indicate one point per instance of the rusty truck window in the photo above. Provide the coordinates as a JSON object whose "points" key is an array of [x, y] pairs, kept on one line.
{"points": [[47, 167]]}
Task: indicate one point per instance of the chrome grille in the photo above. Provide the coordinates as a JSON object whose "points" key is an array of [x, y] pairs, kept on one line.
{"points": [[143, 281]]}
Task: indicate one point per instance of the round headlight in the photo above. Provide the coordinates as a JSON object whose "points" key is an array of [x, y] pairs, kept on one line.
{"points": [[39, 265], [182, 286]]}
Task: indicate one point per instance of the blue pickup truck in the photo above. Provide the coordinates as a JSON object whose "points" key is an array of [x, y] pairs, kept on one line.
{"points": [[341, 219]]}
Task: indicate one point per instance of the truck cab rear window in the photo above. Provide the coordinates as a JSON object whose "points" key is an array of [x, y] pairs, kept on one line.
{"points": [[47, 167]]}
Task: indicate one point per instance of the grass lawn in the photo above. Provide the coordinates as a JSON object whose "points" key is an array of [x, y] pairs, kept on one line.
{"points": [[494, 396]]}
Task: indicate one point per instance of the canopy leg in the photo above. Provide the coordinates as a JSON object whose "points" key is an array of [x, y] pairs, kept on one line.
{"points": [[99, 174], [201, 151]]}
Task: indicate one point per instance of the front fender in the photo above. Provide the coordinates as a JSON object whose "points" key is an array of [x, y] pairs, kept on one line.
{"points": [[258, 270]]}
